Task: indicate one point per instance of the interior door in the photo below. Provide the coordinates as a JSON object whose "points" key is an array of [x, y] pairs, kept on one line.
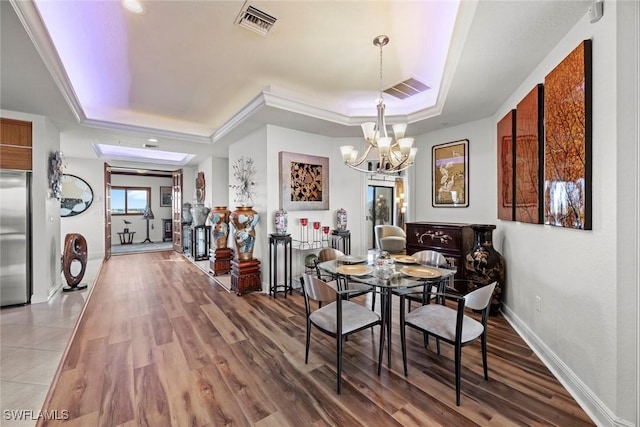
{"points": [[380, 205], [107, 211], [176, 209]]}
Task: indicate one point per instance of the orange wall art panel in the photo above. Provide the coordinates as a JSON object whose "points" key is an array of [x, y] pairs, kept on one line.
{"points": [[567, 151], [505, 165], [528, 157]]}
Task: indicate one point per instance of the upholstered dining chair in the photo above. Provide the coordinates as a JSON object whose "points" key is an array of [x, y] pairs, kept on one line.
{"points": [[451, 325], [357, 289], [390, 238], [338, 318], [434, 259]]}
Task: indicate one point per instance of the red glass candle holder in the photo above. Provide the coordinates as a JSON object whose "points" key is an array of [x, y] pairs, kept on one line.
{"points": [[304, 221], [325, 229], [316, 225]]}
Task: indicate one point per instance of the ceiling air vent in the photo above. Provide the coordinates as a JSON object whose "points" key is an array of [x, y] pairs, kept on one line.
{"points": [[255, 20], [407, 88]]}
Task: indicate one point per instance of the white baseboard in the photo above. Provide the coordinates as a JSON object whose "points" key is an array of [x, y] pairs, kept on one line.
{"points": [[590, 403]]}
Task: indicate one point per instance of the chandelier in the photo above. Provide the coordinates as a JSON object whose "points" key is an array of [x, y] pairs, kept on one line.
{"points": [[394, 154]]}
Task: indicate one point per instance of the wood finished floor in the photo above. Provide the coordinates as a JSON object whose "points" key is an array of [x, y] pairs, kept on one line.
{"points": [[161, 344]]}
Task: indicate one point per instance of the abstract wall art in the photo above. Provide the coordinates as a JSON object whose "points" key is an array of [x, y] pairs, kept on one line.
{"points": [[506, 129], [304, 182], [529, 152], [567, 151]]}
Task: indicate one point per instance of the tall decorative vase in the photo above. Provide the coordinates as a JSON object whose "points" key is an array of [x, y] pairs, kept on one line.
{"points": [[341, 220], [281, 221], [219, 219], [199, 213], [483, 264], [244, 220]]}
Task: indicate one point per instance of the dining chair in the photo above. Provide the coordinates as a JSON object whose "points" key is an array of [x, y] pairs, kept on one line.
{"points": [[451, 325], [338, 318], [434, 259], [339, 283]]}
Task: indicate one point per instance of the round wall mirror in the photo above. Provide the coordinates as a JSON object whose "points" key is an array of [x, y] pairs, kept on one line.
{"points": [[77, 196]]}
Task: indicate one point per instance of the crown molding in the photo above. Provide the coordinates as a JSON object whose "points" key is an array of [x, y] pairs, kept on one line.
{"points": [[32, 22]]}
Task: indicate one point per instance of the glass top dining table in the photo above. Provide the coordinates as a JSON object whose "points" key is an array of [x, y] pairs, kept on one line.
{"points": [[397, 282]]}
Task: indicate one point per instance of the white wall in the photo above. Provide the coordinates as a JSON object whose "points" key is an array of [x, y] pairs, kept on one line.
{"points": [[216, 174], [585, 331], [45, 210], [89, 223]]}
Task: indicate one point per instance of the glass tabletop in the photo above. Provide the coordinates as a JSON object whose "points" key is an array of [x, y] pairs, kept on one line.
{"points": [[397, 280]]}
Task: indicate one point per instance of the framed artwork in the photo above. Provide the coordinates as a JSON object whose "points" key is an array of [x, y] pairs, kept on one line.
{"points": [[165, 196], [450, 174], [567, 151], [304, 182], [529, 152], [506, 132]]}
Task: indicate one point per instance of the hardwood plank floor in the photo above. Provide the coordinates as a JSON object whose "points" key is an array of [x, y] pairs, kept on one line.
{"points": [[160, 343]]}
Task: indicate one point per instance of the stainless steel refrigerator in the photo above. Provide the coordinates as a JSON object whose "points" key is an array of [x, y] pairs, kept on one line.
{"points": [[15, 237]]}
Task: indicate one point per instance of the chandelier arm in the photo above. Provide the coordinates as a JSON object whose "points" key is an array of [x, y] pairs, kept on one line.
{"points": [[362, 158]]}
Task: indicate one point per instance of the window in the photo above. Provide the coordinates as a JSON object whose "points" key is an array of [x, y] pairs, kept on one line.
{"points": [[129, 200]]}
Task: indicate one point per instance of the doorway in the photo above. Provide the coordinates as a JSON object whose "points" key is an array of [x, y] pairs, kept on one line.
{"points": [[380, 207], [155, 185]]}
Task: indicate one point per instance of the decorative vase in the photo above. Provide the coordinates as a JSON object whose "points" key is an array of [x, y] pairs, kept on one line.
{"points": [[483, 264], [341, 220], [186, 213], [281, 221], [219, 219], [244, 220], [199, 213]]}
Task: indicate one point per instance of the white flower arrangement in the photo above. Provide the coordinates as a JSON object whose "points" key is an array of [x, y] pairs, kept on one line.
{"points": [[244, 172]]}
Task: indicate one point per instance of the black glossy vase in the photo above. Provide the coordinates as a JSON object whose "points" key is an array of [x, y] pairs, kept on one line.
{"points": [[484, 265]]}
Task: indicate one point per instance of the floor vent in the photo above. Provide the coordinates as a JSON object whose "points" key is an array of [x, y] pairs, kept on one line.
{"points": [[255, 20], [407, 88]]}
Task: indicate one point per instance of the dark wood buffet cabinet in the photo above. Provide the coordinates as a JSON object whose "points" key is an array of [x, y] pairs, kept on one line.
{"points": [[450, 239]]}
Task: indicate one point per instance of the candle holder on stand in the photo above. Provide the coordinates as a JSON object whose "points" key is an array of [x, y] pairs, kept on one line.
{"points": [[304, 233], [325, 236], [317, 234]]}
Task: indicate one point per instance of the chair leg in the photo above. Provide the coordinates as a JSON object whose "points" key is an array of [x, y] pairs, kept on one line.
{"points": [[373, 302], [438, 345], [380, 349], [484, 356], [403, 341], [339, 364], [458, 356], [306, 350]]}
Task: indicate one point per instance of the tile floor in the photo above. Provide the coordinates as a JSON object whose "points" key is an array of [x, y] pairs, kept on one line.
{"points": [[32, 341]]}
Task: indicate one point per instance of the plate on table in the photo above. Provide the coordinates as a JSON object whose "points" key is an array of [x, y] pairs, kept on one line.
{"points": [[354, 270], [420, 272], [405, 259], [351, 259]]}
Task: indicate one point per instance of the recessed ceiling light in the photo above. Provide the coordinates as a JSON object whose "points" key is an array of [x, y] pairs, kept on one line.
{"points": [[152, 140], [134, 6], [140, 154]]}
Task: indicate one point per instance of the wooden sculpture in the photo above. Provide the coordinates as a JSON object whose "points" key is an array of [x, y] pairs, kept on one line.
{"points": [[75, 249]]}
